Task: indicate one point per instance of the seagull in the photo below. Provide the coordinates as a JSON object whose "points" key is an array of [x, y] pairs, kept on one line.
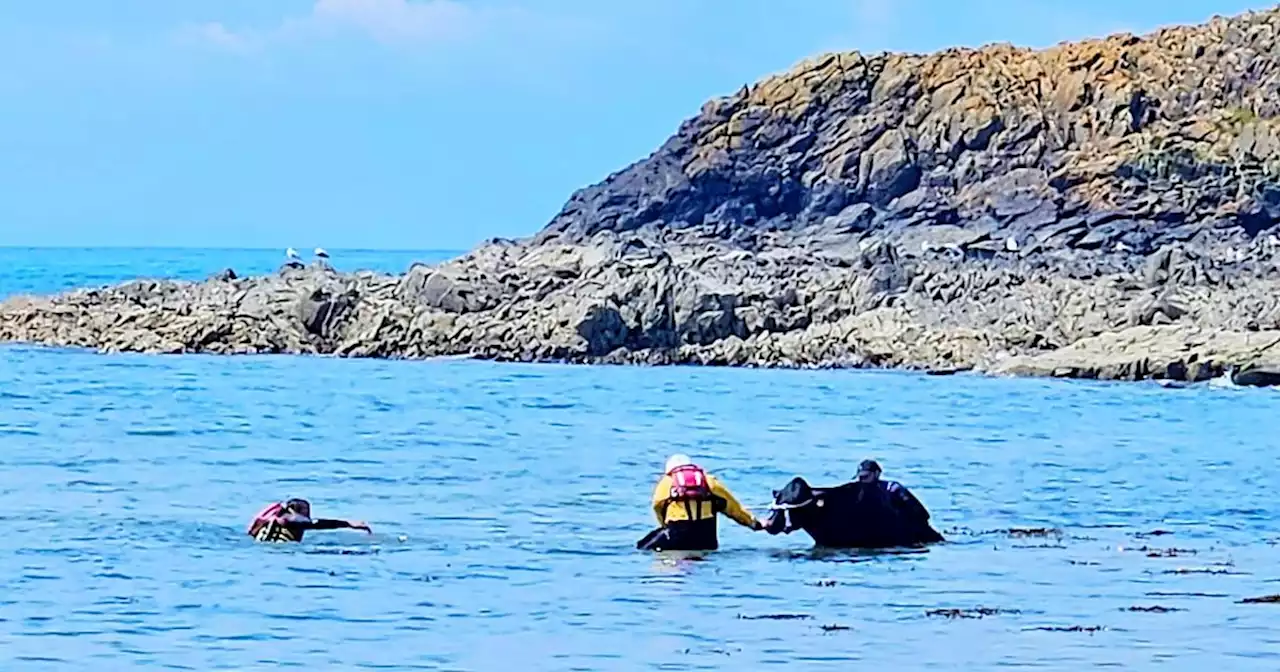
{"points": [[291, 253], [321, 253], [1011, 244]]}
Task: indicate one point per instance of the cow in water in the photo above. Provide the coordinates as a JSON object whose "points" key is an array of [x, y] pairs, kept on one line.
{"points": [[859, 514]]}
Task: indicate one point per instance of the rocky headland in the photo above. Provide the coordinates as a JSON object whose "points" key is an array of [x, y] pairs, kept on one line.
{"points": [[1103, 209]]}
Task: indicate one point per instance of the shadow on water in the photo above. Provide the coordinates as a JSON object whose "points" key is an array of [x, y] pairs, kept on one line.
{"points": [[736, 555], [821, 554]]}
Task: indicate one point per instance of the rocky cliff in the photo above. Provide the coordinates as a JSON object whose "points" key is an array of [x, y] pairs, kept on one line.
{"points": [[1101, 209], [1122, 142]]}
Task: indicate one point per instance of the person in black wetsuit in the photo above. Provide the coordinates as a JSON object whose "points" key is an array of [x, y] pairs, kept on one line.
{"points": [[895, 493], [289, 521]]}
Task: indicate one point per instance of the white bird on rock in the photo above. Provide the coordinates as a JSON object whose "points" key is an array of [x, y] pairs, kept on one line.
{"points": [[321, 253], [291, 253], [1011, 244]]}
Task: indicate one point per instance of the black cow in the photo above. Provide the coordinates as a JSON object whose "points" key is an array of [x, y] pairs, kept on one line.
{"points": [[853, 515]]}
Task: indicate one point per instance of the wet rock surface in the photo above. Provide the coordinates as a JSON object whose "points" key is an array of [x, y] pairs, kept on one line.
{"points": [[1099, 210]]}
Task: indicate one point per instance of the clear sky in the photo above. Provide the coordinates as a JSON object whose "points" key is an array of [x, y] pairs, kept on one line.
{"points": [[408, 124]]}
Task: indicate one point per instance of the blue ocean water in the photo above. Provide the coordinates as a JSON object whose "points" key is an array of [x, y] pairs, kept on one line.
{"points": [[506, 499]]}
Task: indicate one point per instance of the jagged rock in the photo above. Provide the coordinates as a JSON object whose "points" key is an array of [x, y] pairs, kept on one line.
{"points": [[1140, 127], [321, 312], [1257, 376], [453, 292]]}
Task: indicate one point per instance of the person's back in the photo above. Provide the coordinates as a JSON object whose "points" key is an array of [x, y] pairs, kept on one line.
{"points": [[895, 494], [285, 522], [686, 500]]}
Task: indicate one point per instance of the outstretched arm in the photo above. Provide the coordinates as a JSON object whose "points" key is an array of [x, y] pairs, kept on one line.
{"points": [[732, 507], [334, 524]]}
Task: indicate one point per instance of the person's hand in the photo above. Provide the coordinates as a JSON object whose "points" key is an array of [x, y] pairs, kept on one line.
{"points": [[757, 525]]}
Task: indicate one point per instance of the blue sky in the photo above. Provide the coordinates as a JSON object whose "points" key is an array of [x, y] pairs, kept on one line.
{"points": [[407, 124]]}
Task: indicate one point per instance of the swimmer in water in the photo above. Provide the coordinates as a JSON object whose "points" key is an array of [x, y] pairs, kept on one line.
{"points": [[288, 521]]}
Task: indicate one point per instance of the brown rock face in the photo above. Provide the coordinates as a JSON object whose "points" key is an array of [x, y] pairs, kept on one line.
{"points": [[1097, 210], [1125, 141]]}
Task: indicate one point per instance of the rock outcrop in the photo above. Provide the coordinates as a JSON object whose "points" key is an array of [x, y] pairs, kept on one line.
{"points": [[1123, 142], [1102, 210]]}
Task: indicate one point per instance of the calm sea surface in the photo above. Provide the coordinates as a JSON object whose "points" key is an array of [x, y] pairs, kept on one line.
{"points": [[506, 499]]}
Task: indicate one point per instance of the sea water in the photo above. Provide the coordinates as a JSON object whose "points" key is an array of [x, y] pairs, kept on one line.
{"points": [[506, 500]]}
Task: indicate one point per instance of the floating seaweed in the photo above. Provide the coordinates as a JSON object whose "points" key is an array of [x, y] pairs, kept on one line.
{"points": [[1152, 533], [1156, 552], [776, 617], [1203, 570], [1166, 552], [1160, 593], [976, 612], [719, 652], [834, 627], [1090, 563], [1071, 628], [1037, 546], [1031, 532], [1156, 609], [1265, 599], [825, 583]]}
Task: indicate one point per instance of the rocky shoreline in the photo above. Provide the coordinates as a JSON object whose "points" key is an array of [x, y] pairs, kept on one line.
{"points": [[1181, 315], [1100, 210]]}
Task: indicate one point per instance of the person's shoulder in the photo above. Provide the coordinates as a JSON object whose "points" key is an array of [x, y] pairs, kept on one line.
{"points": [[894, 486]]}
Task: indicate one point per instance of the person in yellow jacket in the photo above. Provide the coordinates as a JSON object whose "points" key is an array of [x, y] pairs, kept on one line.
{"points": [[686, 501]]}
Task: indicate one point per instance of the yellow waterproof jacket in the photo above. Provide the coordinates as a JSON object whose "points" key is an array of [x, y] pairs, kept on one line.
{"points": [[669, 513]]}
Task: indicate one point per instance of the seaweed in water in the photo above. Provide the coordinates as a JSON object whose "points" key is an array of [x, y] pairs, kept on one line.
{"points": [[1202, 570], [1090, 563], [1037, 546], [1265, 599], [834, 627], [776, 617], [719, 652], [825, 583], [977, 612], [1158, 593], [1021, 532], [1072, 628], [1152, 533], [1156, 609], [1166, 552]]}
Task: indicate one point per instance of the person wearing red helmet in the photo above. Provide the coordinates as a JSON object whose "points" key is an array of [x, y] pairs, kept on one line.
{"points": [[685, 502]]}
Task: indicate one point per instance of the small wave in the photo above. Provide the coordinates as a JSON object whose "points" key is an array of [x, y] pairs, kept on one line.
{"points": [[154, 431], [549, 405]]}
